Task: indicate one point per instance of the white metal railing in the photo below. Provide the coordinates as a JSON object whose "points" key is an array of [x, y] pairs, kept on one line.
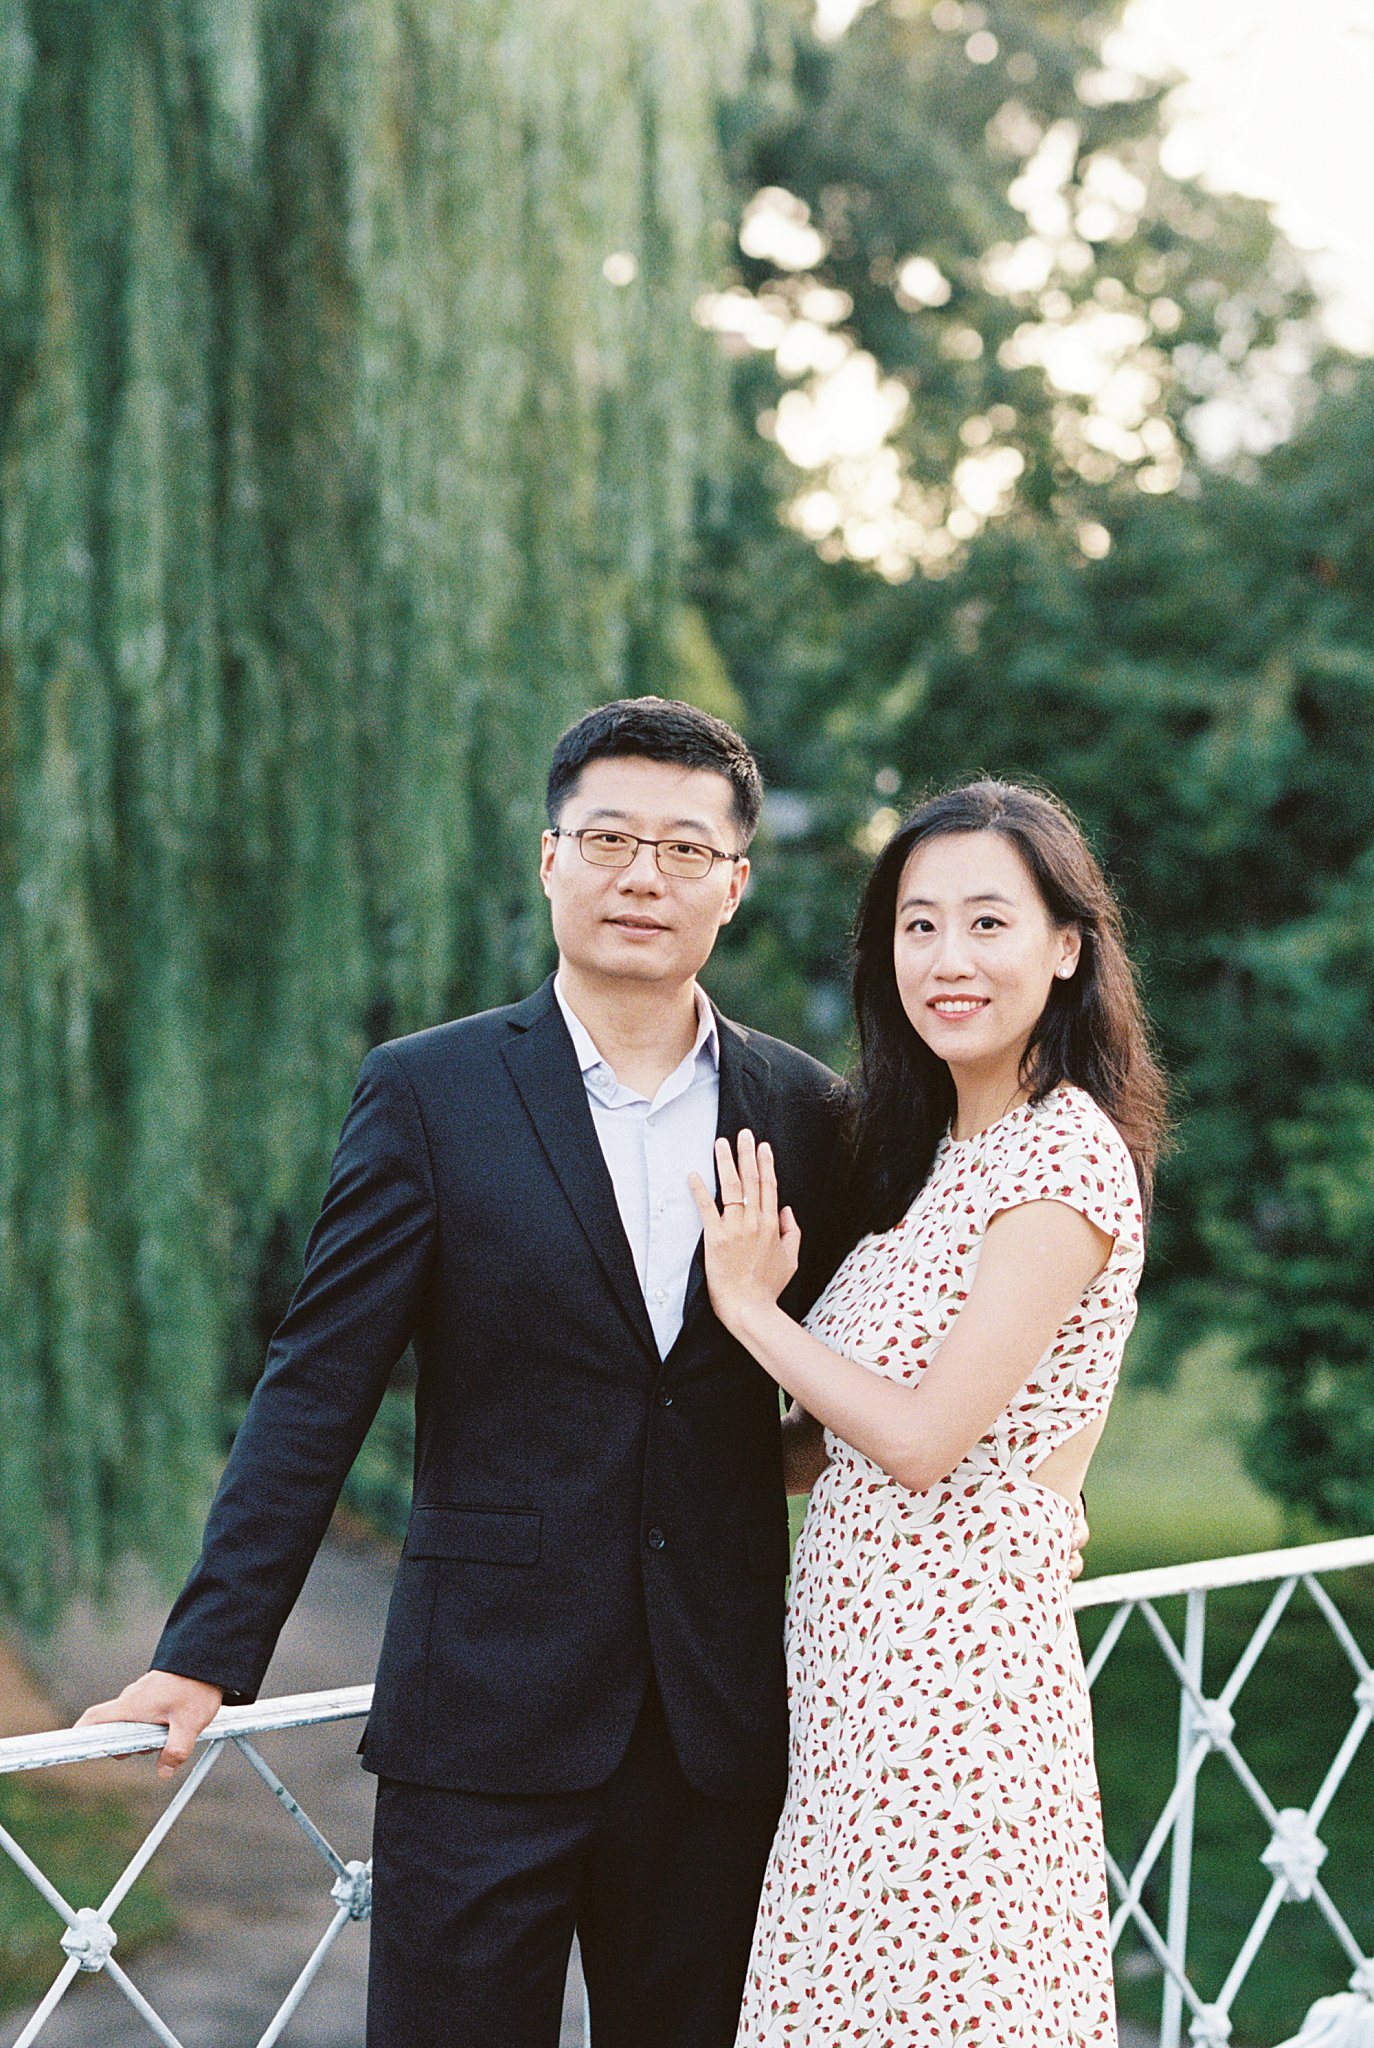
{"points": [[1293, 1857], [1294, 1853], [88, 1937]]}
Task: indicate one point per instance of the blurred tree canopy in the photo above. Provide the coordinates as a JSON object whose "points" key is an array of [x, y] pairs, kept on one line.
{"points": [[363, 417], [1028, 569], [351, 420]]}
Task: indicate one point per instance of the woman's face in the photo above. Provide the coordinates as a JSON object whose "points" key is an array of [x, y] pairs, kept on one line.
{"points": [[976, 951]]}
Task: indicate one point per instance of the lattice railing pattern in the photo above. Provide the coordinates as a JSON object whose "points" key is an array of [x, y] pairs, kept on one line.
{"points": [[88, 1935], [1206, 1725], [1294, 1853]]}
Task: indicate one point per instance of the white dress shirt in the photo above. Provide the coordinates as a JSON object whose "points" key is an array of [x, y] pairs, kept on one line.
{"points": [[649, 1149]]}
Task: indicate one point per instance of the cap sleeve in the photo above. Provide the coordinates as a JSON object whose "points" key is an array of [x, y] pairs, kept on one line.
{"points": [[1070, 1151]]}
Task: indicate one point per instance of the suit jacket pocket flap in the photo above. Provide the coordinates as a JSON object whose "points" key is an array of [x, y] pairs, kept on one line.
{"points": [[475, 1535]]}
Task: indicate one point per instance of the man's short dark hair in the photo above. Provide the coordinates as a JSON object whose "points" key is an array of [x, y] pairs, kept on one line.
{"points": [[658, 729]]}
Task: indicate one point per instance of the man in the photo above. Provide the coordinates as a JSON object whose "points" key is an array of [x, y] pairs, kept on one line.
{"points": [[580, 1716]]}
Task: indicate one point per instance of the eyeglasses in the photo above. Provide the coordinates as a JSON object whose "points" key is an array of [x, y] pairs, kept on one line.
{"points": [[681, 857]]}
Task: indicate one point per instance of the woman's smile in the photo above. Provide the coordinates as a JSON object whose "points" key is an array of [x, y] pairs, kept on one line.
{"points": [[954, 1007]]}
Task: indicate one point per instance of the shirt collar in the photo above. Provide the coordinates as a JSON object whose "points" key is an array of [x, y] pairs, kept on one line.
{"points": [[584, 1045]]}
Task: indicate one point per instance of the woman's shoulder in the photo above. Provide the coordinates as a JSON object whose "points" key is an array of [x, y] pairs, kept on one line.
{"points": [[1068, 1112], [1067, 1137]]}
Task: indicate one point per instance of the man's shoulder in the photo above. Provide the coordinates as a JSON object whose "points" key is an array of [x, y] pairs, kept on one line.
{"points": [[793, 1071], [437, 1048]]}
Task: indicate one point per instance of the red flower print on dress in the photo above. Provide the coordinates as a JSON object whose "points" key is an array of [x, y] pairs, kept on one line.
{"points": [[937, 1879]]}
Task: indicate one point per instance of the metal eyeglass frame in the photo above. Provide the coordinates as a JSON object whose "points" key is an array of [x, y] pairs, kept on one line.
{"points": [[635, 841]]}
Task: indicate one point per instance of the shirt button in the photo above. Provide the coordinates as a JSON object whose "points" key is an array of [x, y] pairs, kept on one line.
{"points": [[656, 1539], [665, 1399], [660, 1294]]}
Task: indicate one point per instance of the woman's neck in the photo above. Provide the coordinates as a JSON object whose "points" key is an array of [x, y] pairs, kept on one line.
{"points": [[981, 1098]]}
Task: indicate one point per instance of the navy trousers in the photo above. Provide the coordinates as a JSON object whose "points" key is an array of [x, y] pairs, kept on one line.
{"points": [[475, 1901]]}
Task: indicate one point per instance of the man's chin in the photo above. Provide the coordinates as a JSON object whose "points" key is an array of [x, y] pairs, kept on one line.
{"points": [[641, 969], [635, 964]]}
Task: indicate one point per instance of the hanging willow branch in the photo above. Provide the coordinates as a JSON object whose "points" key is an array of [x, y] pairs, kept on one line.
{"points": [[335, 475]]}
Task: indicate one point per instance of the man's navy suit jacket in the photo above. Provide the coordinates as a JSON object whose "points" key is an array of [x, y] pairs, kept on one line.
{"points": [[585, 1513]]}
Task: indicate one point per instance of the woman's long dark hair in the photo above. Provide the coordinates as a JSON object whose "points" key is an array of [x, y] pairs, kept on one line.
{"points": [[1092, 1030]]}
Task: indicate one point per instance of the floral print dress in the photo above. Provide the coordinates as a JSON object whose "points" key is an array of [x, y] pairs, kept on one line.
{"points": [[937, 1878]]}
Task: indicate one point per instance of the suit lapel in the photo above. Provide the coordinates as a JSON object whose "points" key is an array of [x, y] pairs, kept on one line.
{"points": [[540, 1058], [745, 1089]]}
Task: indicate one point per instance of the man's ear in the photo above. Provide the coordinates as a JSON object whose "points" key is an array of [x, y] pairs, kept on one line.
{"points": [[548, 847], [739, 875]]}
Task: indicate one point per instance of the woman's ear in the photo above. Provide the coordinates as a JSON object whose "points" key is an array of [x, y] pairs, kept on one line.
{"points": [[1070, 949]]}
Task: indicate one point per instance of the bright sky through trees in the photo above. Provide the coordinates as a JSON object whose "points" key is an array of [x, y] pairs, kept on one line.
{"points": [[1275, 103], [1270, 104]]}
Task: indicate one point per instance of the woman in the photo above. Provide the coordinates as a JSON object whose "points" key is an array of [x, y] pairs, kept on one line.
{"points": [[937, 1877]]}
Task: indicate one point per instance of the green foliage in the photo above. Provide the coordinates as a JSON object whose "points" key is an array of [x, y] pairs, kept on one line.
{"points": [[353, 423], [1181, 651], [336, 474], [1013, 257], [82, 1845]]}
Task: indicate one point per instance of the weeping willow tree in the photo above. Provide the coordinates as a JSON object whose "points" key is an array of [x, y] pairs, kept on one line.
{"points": [[351, 414]]}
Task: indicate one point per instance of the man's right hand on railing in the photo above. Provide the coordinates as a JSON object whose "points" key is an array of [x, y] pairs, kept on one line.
{"points": [[185, 1705]]}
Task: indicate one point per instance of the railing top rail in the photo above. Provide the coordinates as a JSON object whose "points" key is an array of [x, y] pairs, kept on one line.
{"points": [[1252, 1568], [123, 1738], [344, 1703]]}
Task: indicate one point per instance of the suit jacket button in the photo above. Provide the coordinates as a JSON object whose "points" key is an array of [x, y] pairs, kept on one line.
{"points": [[665, 1399], [656, 1539]]}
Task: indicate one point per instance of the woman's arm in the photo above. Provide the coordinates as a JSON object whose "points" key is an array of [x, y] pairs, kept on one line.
{"points": [[1036, 1262]]}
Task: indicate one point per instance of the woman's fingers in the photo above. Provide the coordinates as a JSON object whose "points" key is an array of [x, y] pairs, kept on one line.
{"points": [[751, 1170], [747, 1176], [727, 1175], [789, 1236], [768, 1183], [750, 1249], [747, 1153]]}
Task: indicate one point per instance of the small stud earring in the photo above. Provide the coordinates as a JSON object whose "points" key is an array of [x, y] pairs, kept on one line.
{"points": [[1063, 972]]}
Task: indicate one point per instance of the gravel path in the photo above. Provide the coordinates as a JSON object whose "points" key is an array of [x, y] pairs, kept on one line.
{"points": [[251, 1896]]}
